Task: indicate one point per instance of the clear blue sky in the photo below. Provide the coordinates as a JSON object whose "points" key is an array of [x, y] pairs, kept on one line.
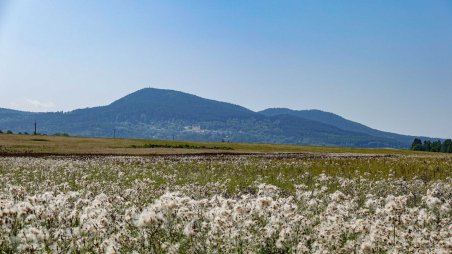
{"points": [[387, 64]]}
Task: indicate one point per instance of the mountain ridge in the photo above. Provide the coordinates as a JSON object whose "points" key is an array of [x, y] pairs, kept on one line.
{"points": [[334, 119], [168, 114]]}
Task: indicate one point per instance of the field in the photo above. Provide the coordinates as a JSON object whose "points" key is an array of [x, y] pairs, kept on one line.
{"points": [[80, 195], [53, 145]]}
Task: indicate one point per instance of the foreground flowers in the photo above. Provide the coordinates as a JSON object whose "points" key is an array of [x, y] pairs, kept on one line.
{"points": [[323, 213]]}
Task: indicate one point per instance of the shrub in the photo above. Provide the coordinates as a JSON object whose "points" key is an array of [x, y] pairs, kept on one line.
{"points": [[61, 134]]}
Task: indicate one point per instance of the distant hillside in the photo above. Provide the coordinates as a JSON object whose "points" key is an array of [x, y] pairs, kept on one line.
{"points": [[160, 104], [165, 114], [338, 121]]}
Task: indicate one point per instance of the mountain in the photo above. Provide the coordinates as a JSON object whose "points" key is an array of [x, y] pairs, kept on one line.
{"points": [[166, 114], [158, 104], [321, 116], [338, 121]]}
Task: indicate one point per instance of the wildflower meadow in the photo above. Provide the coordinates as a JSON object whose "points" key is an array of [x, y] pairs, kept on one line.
{"points": [[225, 204]]}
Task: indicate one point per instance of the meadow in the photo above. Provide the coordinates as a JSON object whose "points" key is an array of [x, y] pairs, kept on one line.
{"points": [[237, 201], [34, 145]]}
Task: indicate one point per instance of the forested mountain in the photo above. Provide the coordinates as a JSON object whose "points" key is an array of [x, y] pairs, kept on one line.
{"points": [[166, 114], [338, 121]]}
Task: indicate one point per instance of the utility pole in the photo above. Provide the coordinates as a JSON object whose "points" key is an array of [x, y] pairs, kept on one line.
{"points": [[114, 133], [34, 133]]}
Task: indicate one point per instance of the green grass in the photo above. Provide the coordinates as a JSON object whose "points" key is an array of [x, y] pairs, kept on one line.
{"points": [[236, 174]]}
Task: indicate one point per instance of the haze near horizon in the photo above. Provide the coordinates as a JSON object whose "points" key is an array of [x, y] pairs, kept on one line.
{"points": [[385, 64]]}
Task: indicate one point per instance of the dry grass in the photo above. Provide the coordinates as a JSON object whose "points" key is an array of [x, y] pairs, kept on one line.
{"points": [[27, 144]]}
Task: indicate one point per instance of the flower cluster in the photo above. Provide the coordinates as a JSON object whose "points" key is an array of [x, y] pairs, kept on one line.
{"points": [[77, 209]]}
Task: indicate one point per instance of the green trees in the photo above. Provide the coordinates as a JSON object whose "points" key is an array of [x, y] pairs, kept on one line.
{"points": [[447, 146], [429, 146], [436, 146], [417, 145]]}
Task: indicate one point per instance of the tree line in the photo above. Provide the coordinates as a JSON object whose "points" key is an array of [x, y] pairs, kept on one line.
{"points": [[429, 146], [41, 134]]}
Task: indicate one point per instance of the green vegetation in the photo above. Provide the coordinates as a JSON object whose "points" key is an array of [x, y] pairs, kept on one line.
{"points": [[435, 146], [236, 174]]}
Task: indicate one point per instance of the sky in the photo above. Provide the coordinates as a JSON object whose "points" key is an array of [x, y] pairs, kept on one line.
{"points": [[386, 64]]}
